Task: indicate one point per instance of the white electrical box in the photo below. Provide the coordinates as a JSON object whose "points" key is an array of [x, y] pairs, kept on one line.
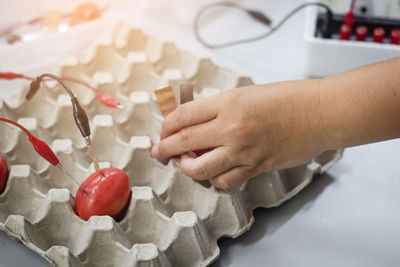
{"points": [[330, 56]]}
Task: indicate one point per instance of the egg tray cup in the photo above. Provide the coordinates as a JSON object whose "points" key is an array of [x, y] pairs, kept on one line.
{"points": [[171, 220]]}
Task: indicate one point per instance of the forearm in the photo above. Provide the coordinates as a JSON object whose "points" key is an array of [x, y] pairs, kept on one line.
{"points": [[361, 106], [281, 125]]}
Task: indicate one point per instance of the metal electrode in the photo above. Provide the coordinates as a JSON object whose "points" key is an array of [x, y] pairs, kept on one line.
{"points": [[80, 116]]}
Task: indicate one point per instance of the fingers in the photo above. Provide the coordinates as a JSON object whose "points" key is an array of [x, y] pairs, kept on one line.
{"points": [[231, 178], [189, 114], [205, 135], [209, 164]]}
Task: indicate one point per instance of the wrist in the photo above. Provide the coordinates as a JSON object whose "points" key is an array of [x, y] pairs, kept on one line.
{"points": [[309, 110], [330, 126], [321, 135]]}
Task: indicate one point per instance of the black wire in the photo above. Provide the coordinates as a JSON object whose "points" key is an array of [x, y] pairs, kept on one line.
{"points": [[80, 116], [251, 39], [39, 79]]}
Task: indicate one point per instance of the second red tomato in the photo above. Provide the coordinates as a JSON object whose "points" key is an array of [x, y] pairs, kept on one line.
{"points": [[3, 173], [108, 191]]}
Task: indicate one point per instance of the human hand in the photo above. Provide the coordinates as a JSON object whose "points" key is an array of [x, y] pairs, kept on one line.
{"points": [[251, 130]]}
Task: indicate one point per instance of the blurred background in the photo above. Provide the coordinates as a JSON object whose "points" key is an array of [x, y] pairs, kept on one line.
{"points": [[348, 217]]}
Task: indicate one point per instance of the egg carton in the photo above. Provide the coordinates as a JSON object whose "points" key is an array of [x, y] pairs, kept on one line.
{"points": [[172, 220]]}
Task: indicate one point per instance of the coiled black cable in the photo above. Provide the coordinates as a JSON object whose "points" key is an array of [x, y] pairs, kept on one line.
{"points": [[260, 17]]}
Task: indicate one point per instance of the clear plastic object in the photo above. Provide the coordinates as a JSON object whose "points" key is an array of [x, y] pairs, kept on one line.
{"points": [[37, 34]]}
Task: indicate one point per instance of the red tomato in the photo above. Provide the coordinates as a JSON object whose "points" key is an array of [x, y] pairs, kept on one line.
{"points": [[108, 191], [3, 173]]}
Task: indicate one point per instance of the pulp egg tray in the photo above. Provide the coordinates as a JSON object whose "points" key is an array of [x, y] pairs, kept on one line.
{"points": [[172, 220]]}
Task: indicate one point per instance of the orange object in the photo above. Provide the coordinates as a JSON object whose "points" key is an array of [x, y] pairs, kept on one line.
{"points": [[52, 19], [84, 12], [166, 100]]}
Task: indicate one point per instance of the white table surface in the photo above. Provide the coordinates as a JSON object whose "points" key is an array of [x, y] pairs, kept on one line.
{"points": [[349, 216]]}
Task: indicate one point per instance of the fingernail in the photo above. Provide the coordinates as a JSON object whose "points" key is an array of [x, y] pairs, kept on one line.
{"points": [[155, 151]]}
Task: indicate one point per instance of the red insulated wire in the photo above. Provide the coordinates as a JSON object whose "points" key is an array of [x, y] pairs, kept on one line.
{"points": [[349, 17], [40, 147], [108, 100], [43, 150], [103, 98], [10, 75], [16, 124]]}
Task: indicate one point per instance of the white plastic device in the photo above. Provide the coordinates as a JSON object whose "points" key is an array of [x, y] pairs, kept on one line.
{"points": [[325, 57]]}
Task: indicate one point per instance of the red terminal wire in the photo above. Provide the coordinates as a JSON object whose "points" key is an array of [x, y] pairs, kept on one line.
{"points": [[10, 75], [43, 149], [40, 147], [103, 98], [109, 100], [349, 18]]}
